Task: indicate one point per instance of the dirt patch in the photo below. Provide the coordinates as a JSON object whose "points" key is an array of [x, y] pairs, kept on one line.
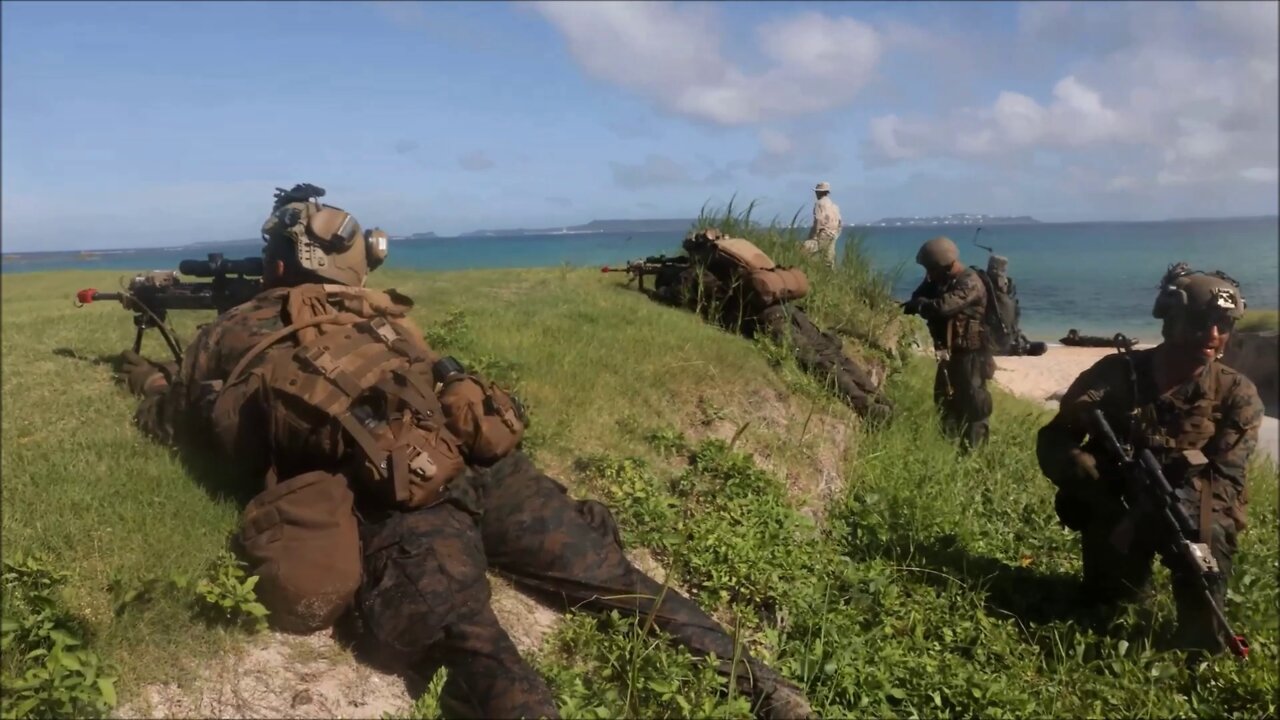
{"points": [[278, 675]]}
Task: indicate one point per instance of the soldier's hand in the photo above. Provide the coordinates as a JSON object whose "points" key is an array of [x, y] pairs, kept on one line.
{"points": [[912, 306], [144, 377]]}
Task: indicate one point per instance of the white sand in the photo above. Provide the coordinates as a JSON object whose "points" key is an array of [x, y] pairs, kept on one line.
{"points": [[1044, 378]]}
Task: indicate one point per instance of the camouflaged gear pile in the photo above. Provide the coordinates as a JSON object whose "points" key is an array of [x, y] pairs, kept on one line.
{"points": [[954, 310], [423, 600], [1217, 414]]}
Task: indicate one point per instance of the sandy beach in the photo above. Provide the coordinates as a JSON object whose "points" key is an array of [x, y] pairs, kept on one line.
{"points": [[1043, 378]]}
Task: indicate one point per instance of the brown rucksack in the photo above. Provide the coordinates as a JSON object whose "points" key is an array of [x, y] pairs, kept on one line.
{"points": [[769, 282]]}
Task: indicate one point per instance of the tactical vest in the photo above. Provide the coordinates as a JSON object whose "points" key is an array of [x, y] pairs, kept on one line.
{"points": [[1175, 428], [353, 370]]}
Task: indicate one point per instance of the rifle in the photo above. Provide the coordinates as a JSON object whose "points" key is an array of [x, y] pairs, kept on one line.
{"points": [[151, 295], [1145, 486], [652, 265]]}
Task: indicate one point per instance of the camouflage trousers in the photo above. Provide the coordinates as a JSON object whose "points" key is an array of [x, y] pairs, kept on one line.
{"points": [[822, 354], [1117, 553], [424, 600], [961, 396]]}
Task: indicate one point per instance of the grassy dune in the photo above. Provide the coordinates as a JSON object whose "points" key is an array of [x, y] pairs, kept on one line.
{"points": [[879, 569]]}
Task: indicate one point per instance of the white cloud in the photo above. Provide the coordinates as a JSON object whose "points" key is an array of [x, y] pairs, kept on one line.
{"points": [[671, 55], [1260, 174], [1177, 95]]}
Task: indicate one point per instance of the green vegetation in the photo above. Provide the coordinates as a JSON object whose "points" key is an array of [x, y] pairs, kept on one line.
{"points": [[878, 569], [1259, 320]]}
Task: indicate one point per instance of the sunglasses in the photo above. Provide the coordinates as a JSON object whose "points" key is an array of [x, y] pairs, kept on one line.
{"points": [[1202, 322]]}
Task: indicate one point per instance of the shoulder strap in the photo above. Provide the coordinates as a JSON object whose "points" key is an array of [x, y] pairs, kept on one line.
{"points": [[268, 341]]}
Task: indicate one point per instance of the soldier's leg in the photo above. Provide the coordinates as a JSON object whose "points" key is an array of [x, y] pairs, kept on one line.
{"points": [[822, 355], [568, 553], [975, 400], [424, 601], [1114, 571], [1197, 626], [829, 249]]}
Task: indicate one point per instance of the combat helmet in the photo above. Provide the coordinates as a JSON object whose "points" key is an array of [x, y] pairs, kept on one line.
{"points": [[327, 240], [939, 252], [1193, 299]]}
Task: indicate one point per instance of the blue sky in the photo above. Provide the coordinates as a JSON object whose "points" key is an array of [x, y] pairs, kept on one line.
{"points": [[137, 124]]}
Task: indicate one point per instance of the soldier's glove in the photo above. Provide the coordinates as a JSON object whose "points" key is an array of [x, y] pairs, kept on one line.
{"points": [[912, 306], [145, 377]]}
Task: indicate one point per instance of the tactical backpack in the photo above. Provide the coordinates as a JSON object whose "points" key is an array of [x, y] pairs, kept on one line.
{"points": [[767, 282]]}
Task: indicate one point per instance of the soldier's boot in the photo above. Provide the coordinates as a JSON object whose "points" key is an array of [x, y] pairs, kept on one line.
{"points": [[784, 702], [1197, 631]]}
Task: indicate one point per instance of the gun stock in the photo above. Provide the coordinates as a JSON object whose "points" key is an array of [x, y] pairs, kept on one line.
{"points": [[1146, 486]]}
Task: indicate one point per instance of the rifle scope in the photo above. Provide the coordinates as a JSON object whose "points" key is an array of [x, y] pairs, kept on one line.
{"points": [[217, 265]]}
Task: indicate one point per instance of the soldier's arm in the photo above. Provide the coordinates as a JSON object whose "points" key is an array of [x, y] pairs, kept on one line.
{"points": [[161, 414], [1058, 443], [1236, 438], [966, 293]]}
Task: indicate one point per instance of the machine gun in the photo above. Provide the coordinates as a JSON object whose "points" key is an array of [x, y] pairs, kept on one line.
{"points": [[652, 265], [1145, 487], [151, 295]]}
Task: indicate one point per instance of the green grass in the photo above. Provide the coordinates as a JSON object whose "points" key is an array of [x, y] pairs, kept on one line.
{"points": [[928, 586], [1259, 320]]}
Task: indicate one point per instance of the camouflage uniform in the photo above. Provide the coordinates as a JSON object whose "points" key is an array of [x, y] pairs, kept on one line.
{"points": [[954, 311], [826, 227], [1218, 413], [424, 597]]}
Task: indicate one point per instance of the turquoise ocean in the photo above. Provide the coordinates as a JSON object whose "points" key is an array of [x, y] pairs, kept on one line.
{"points": [[1097, 277]]}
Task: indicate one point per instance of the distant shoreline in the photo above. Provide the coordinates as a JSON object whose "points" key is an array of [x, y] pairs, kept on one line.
{"points": [[205, 247]]}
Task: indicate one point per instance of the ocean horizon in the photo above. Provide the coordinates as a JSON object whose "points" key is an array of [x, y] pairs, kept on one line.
{"points": [[1097, 277]]}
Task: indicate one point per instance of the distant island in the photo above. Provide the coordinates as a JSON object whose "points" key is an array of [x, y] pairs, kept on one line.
{"points": [[956, 219], [595, 226], [415, 236]]}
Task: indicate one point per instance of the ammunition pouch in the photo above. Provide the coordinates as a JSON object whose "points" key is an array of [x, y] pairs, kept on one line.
{"points": [[489, 422], [300, 538], [967, 334]]}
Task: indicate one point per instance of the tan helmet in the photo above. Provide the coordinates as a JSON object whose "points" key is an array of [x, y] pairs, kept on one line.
{"points": [[1195, 297], [327, 240], [939, 252], [823, 186]]}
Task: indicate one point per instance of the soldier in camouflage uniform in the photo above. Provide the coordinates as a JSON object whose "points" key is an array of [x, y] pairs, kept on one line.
{"points": [[1199, 418], [953, 302], [376, 424], [713, 285]]}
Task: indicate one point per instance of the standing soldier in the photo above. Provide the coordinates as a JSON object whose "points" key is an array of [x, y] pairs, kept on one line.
{"points": [[391, 478], [1198, 417], [953, 301], [826, 224]]}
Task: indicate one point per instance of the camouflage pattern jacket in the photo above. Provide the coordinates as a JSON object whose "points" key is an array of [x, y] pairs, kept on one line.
{"points": [[954, 310], [1216, 415]]}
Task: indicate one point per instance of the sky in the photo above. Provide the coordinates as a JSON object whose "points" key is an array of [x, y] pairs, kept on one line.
{"points": [[157, 124]]}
